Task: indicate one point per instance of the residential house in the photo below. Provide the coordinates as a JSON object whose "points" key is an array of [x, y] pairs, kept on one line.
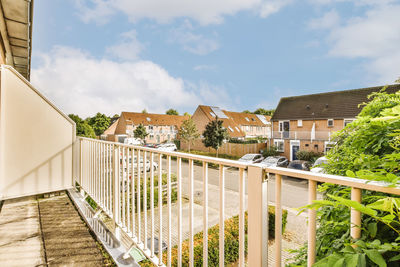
{"points": [[240, 125], [307, 122], [160, 127]]}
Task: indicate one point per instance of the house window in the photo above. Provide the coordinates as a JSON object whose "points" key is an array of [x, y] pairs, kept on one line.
{"points": [[280, 145], [328, 146], [330, 122], [347, 121], [171, 129], [299, 123], [150, 127], [151, 136]]}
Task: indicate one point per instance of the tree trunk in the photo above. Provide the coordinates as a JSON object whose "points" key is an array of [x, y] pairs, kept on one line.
{"points": [[189, 147], [217, 152]]}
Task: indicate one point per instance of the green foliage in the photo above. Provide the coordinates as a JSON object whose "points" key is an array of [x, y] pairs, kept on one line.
{"points": [[308, 155], [368, 148], [188, 131], [144, 111], [114, 118], [187, 114], [238, 141], [267, 112], [246, 111], [82, 127], [140, 132], [215, 134], [99, 123], [231, 242], [270, 151], [172, 112]]}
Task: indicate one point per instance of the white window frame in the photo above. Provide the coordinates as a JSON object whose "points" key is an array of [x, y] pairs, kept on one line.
{"points": [[333, 122], [299, 123], [327, 143], [348, 121], [281, 130], [276, 141]]}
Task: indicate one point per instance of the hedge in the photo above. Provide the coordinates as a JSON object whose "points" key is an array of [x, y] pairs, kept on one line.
{"points": [[308, 155], [231, 242]]}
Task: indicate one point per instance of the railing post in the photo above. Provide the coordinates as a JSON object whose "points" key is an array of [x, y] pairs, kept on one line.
{"points": [[312, 226], [80, 166], [257, 217], [355, 216], [116, 185]]}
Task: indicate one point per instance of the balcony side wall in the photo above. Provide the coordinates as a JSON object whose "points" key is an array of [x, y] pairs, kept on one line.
{"points": [[35, 140]]}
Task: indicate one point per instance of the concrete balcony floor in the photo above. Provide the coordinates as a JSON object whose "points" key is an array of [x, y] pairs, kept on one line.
{"points": [[46, 232]]}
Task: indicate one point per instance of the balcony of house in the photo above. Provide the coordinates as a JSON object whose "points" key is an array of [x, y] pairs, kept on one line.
{"points": [[140, 196], [303, 135]]}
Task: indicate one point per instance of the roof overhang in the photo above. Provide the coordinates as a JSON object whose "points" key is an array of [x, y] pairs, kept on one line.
{"points": [[16, 33]]}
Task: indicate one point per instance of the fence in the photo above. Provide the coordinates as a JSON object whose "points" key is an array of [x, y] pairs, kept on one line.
{"points": [[232, 149], [115, 176]]}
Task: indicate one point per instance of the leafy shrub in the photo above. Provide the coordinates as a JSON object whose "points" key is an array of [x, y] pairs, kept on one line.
{"points": [[231, 245], [270, 151], [368, 148], [238, 141], [308, 155]]}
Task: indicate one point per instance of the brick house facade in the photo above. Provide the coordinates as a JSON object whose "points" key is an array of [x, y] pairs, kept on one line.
{"points": [[307, 122], [239, 125], [160, 127]]}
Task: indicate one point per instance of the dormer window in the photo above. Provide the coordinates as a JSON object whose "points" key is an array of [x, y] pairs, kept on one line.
{"points": [[330, 123], [148, 119], [212, 114], [247, 119]]}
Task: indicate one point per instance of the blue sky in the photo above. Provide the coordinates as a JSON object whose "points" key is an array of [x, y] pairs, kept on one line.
{"points": [[119, 55]]}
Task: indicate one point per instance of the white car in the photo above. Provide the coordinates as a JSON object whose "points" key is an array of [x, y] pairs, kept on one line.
{"points": [[167, 147], [155, 164], [318, 165], [132, 141], [252, 158]]}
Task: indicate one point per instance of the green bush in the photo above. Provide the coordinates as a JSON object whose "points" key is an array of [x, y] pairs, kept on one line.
{"points": [[231, 246], [270, 151], [238, 141], [308, 155]]}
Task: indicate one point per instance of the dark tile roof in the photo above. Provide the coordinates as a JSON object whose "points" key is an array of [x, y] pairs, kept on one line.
{"points": [[331, 105]]}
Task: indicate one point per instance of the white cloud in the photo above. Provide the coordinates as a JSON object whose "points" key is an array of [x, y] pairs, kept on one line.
{"points": [[128, 49], [79, 83], [375, 37], [327, 21], [273, 6], [355, 2], [192, 42], [205, 11]]}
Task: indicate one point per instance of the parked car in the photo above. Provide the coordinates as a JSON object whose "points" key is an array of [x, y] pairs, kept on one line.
{"points": [[167, 147], [151, 145], [275, 161], [155, 164], [133, 141], [318, 166], [300, 165], [251, 158]]}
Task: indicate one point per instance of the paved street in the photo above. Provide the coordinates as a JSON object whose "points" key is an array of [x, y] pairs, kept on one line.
{"points": [[294, 191]]}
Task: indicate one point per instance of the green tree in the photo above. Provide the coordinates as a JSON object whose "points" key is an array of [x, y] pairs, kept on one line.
{"points": [[82, 127], [266, 112], [144, 111], [246, 111], [215, 134], [368, 148], [114, 118], [188, 131], [172, 112], [99, 123], [187, 114], [140, 132]]}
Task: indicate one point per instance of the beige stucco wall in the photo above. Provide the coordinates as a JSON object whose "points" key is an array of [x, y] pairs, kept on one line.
{"points": [[35, 140]]}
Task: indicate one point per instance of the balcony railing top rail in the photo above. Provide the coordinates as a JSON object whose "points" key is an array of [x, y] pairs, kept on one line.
{"points": [[119, 185]]}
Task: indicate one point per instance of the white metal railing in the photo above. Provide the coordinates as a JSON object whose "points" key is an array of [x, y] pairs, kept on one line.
{"points": [[302, 135], [109, 174]]}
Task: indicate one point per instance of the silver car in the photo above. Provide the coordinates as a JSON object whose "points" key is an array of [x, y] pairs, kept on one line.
{"points": [[251, 158]]}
